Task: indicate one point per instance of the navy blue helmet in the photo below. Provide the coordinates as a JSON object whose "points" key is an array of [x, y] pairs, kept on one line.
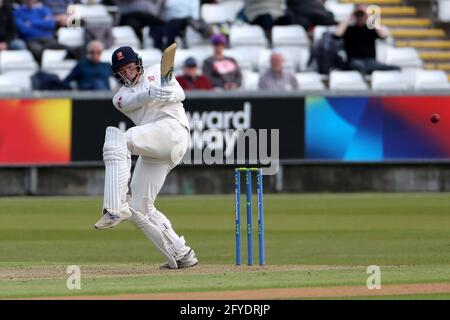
{"points": [[122, 56]]}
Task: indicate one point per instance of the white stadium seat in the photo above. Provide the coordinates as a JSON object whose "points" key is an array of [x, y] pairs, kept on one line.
{"points": [[72, 37], [319, 31], [93, 13], [389, 80], [289, 36], [198, 53], [150, 56], [106, 54], [12, 60], [15, 81], [125, 36], [443, 10], [309, 81], [250, 80], [221, 12], [403, 57], [246, 57], [195, 39], [341, 11], [431, 79], [247, 35], [347, 80], [53, 61]]}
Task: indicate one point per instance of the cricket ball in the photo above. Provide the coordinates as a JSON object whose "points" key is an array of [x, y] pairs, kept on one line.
{"points": [[435, 118]]}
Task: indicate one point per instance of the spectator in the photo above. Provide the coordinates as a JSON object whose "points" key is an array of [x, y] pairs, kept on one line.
{"points": [[359, 42], [276, 78], [36, 26], [141, 13], [310, 13], [59, 10], [178, 14], [191, 79], [267, 13], [91, 73], [224, 72], [8, 32]]}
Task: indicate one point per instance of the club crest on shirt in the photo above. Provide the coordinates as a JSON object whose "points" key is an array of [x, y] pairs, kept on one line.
{"points": [[151, 78]]}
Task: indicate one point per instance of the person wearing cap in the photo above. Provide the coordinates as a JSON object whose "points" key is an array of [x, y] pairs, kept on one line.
{"points": [[224, 72], [276, 78], [360, 42], [191, 79], [160, 139]]}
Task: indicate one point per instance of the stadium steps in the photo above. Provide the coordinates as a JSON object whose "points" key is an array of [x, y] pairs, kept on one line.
{"points": [[417, 33], [424, 44], [409, 22], [398, 11], [437, 66], [409, 29], [370, 2], [434, 55]]}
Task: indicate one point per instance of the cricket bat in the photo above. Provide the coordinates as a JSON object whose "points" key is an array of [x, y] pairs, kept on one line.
{"points": [[167, 62]]}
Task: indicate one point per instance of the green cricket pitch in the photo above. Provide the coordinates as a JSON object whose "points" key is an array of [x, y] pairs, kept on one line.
{"points": [[317, 246]]}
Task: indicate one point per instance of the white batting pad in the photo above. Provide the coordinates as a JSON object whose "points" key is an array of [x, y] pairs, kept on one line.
{"points": [[117, 170], [176, 245], [153, 233]]}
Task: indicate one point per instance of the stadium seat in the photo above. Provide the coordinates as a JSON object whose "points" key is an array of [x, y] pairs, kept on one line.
{"points": [[13, 60], [15, 81], [93, 13], [53, 61], [431, 79], [150, 56], [72, 37], [245, 57], [443, 10], [250, 80], [289, 36], [341, 11], [247, 35], [200, 54], [221, 12], [125, 36], [309, 81], [403, 57], [194, 39], [106, 54], [347, 80], [147, 41], [319, 31], [388, 80]]}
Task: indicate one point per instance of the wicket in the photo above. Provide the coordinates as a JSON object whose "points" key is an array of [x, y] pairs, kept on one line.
{"points": [[259, 191]]}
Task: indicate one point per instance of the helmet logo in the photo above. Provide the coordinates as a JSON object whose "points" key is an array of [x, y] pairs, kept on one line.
{"points": [[120, 55]]}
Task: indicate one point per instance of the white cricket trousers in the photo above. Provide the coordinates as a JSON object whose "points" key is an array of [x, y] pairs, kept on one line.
{"points": [[160, 146]]}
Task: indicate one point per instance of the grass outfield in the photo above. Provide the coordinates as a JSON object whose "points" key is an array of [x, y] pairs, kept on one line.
{"points": [[312, 240]]}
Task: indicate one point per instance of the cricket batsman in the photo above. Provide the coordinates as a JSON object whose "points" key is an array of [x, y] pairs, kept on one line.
{"points": [[160, 139]]}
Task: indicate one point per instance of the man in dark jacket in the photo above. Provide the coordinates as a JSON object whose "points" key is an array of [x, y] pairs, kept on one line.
{"points": [[359, 42], [91, 73]]}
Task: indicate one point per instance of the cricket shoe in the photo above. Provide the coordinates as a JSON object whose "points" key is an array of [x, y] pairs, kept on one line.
{"points": [[110, 220], [188, 261]]}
